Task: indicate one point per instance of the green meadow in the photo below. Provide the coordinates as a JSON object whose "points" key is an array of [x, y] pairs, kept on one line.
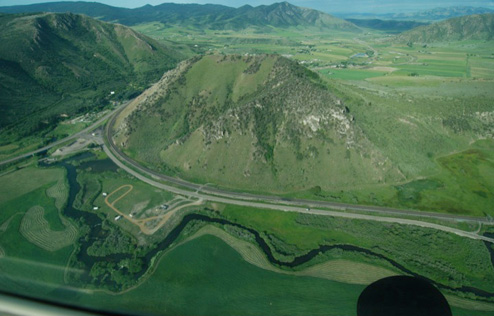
{"points": [[222, 270], [427, 111]]}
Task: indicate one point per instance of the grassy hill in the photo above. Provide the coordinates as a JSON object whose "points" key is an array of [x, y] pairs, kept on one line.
{"points": [[198, 16], [260, 123], [472, 27], [65, 63]]}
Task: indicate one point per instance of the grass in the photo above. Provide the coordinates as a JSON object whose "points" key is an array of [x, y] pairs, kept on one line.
{"points": [[37, 230], [467, 176], [239, 262], [207, 277], [424, 251], [65, 129], [26, 180], [349, 74], [409, 121], [59, 192], [27, 269], [396, 112], [345, 271], [35, 98], [142, 197], [461, 185]]}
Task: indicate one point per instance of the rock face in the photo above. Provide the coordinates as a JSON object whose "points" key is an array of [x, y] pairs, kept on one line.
{"points": [[250, 123]]}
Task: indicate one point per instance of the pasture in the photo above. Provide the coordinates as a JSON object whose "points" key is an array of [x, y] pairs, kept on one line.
{"points": [[408, 245], [35, 228]]}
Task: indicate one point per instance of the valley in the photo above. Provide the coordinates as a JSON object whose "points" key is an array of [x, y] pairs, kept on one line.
{"points": [[295, 153]]}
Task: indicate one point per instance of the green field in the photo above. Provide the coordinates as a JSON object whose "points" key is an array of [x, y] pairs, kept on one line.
{"points": [[418, 104], [220, 268], [27, 268], [424, 126], [347, 74], [215, 278]]}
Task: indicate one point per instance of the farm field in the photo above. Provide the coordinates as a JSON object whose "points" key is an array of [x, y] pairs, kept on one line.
{"points": [[351, 56], [227, 255], [366, 119], [33, 243], [300, 294]]}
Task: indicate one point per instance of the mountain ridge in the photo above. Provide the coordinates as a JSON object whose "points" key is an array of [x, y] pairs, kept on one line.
{"points": [[53, 63], [470, 27], [427, 16], [442, 13], [210, 16]]}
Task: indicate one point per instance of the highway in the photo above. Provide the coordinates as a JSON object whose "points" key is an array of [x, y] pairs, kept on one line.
{"points": [[292, 208], [63, 140], [277, 203]]}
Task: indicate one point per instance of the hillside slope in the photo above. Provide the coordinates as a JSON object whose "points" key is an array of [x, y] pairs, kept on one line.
{"points": [[441, 13], [200, 16], [61, 63], [390, 26], [260, 123], [472, 27]]}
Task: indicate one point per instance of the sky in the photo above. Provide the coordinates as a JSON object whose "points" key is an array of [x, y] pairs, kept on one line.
{"points": [[330, 6]]}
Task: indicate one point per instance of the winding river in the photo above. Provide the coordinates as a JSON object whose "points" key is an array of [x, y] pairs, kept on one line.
{"points": [[97, 232]]}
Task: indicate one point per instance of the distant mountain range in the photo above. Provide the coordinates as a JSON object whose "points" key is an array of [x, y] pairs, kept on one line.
{"points": [[390, 26], [436, 14], [441, 13], [202, 16], [472, 27], [62, 63]]}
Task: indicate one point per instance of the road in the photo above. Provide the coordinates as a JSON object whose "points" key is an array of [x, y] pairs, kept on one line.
{"points": [[63, 140], [277, 203], [142, 223], [292, 208], [208, 190]]}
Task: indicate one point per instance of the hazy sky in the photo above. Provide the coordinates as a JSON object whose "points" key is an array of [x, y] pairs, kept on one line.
{"points": [[371, 6]]}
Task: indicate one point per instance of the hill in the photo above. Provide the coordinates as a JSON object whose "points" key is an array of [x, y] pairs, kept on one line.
{"points": [[427, 16], [441, 13], [200, 16], [390, 26], [472, 27], [65, 63], [261, 123]]}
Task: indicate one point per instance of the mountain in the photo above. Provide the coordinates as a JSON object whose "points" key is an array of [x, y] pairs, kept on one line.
{"points": [[472, 27], [440, 13], [390, 26], [437, 14], [260, 123], [63, 63], [281, 15], [200, 16]]}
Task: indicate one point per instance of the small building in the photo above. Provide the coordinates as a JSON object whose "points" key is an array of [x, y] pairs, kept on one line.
{"points": [[105, 194], [118, 217], [164, 207], [95, 208]]}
